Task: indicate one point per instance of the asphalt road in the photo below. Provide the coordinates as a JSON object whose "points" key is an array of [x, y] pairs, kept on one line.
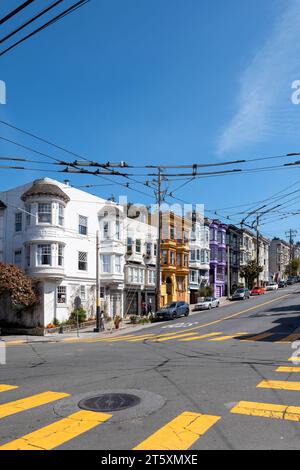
{"points": [[197, 380]]}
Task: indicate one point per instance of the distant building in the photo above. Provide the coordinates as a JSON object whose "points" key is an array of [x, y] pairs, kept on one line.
{"points": [[217, 277], [279, 258]]}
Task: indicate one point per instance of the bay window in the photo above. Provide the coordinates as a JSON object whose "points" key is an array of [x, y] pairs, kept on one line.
{"points": [[44, 213]]}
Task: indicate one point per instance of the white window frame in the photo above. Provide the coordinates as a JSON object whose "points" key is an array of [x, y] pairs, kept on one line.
{"points": [[44, 209], [83, 258]]}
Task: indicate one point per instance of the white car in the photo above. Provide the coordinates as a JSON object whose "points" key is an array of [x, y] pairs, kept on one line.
{"points": [[207, 304], [272, 286]]}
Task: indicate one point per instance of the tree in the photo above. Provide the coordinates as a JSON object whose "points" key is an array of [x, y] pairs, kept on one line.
{"points": [[250, 272], [293, 268], [17, 286]]}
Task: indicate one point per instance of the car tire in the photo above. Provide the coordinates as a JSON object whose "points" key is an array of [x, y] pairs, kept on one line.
{"points": [[209, 307], [174, 316], [187, 313]]}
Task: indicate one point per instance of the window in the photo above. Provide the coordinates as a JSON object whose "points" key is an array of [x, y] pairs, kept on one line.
{"points": [[18, 222], [151, 277], [60, 259], [192, 255], [106, 263], [28, 214], [185, 258], [172, 232], [148, 249], [117, 229], [165, 257], [44, 255], [118, 263], [155, 249], [172, 257], [18, 257], [193, 276], [44, 214], [82, 293], [83, 225], [61, 215], [141, 276], [82, 261], [105, 230], [62, 294], [129, 245], [135, 275], [178, 260], [138, 246]]}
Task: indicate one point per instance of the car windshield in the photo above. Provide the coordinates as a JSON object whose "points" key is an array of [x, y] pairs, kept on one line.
{"points": [[207, 299], [172, 305], [240, 291], [256, 288]]}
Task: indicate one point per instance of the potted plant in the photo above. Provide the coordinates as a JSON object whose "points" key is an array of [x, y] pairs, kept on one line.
{"points": [[117, 321]]}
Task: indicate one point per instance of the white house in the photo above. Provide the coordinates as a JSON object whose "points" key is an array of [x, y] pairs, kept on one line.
{"points": [[199, 256], [140, 260], [49, 229]]}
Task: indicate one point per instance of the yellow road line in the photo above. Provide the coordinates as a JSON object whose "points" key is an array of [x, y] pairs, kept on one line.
{"points": [[195, 338], [6, 388], [279, 385], [169, 338], [267, 410], [33, 401], [58, 433], [180, 433], [224, 338], [14, 343], [258, 337], [288, 369], [290, 338], [141, 338]]}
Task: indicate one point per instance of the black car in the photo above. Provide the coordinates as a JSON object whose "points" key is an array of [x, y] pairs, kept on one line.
{"points": [[173, 310]]}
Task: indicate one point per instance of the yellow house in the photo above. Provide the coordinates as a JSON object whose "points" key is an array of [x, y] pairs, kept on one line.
{"points": [[174, 258]]}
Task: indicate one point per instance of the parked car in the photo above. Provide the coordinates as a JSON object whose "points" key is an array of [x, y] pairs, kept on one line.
{"points": [[241, 294], [282, 284], [272, 286], [258, 290], [173, 310], [207, 304]]}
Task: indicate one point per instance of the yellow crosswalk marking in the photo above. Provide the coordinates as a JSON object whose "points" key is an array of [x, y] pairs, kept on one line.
{"points": [[294, 359], [267, 410], [6, 388], [58, 433], [288, 369], [290, 338], [180, 433], [33, 401], [195, 338], [279, 385], [258, 337], [224, 338], [140, 338], [169, 338]]}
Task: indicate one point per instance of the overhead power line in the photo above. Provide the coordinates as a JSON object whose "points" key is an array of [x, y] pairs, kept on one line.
{"points": [[34, 18], [66, 12], [15, 11]]}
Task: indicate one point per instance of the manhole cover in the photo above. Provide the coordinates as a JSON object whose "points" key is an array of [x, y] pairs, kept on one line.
{"points": [[109, 402]]}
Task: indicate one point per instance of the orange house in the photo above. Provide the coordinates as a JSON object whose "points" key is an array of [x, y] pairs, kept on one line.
{"points": [[174, 258]]}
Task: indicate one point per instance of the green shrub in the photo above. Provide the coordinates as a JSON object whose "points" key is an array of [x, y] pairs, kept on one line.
{"points": [[79, 313], [206, 291]]}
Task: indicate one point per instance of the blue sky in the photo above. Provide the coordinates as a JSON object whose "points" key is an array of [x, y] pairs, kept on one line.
{"points": [[163, 82]]}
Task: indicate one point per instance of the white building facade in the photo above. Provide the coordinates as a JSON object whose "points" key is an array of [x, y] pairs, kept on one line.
{"points": [[199, 256], [49, 229]]}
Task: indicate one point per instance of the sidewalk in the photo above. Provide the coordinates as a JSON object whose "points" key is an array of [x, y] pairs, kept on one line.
{"points": [[88, 332]]}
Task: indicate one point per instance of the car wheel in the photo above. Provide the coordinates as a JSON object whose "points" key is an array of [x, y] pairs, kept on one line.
{"points": [[174, 316], [187, 313], [209, 307]]}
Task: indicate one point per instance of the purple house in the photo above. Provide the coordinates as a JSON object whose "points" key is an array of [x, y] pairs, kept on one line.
{"points": [[217, 257]]}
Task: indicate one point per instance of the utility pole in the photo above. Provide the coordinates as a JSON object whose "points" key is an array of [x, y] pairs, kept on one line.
{"points": [[257, 245], [228, 272], [98, 313], [158, 248]]}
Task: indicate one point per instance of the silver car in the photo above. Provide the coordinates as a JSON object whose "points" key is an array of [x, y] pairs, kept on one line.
{"points": [[207, 304]]}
